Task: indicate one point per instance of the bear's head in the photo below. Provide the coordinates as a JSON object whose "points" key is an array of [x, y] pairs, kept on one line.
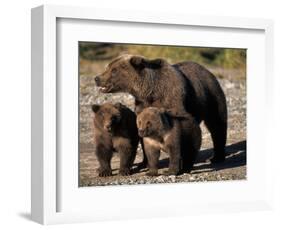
{"points": [[152, 122], [125, 72], [107, 116]]}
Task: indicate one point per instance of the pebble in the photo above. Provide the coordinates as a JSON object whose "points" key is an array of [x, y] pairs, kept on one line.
{"points": [[191, 178], [173, 178]]}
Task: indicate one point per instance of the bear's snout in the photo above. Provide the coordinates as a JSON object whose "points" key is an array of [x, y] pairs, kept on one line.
{"points": [[108, 127], [141, 132]]}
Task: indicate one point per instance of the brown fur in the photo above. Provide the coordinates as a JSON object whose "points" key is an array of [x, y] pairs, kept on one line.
{"points": [[179, 136], [148, 85], [182, 87], [115, 130]]}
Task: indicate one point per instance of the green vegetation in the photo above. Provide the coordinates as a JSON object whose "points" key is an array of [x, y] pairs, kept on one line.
{"points": [[213, 57]]}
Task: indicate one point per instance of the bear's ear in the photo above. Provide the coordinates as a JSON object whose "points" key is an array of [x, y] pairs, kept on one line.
{"points": [[95, 108], [155, 63], [137, 62], [165, 118], [118, 105]]}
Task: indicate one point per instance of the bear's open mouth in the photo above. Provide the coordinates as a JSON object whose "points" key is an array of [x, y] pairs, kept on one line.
{"points": [[142, 133], [105, 89], [102, 89]]}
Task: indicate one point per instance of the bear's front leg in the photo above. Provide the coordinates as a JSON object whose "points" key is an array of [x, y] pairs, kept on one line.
{"points": [[142, 164], [153, 155], [127, 155], [104, 172], [174, 161], [104, 156], [125, 161]]}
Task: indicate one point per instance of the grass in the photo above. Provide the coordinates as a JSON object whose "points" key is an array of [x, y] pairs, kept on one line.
{"points": [[224, 58]]}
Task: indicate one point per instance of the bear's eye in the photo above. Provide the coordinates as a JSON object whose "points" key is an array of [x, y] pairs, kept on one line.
{"points": [[113, 71], [148, 124]]}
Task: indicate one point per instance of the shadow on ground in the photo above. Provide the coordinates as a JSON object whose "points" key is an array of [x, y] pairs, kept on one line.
{"points": [[25, 215], [235, 157]]}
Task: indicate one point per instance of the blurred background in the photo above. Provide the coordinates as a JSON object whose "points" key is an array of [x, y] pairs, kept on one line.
{"points": [[228, 65], [94, 55]]}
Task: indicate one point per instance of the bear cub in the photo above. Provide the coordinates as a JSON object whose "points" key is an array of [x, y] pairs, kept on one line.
{"points": [[176, 134], [115, 130]]}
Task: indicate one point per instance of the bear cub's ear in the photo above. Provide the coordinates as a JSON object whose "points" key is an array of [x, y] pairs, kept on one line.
{"points": [[118, 105], [95, 108]]}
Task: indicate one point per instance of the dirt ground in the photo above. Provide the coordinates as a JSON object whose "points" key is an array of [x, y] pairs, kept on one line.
{"points": [[234, 168]]}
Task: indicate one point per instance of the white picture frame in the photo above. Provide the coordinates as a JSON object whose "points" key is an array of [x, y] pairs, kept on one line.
{"points": [[54, 190]]}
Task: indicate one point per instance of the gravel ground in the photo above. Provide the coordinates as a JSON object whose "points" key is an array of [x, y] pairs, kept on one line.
{"points": [[234, 168]]}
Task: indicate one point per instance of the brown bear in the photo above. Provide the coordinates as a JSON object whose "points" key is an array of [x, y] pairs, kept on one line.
{"points": [[182, 87], [115, 130], [177, 135]]}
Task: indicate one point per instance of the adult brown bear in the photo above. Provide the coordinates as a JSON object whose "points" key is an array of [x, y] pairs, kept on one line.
{"points": [[185, 86]]}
